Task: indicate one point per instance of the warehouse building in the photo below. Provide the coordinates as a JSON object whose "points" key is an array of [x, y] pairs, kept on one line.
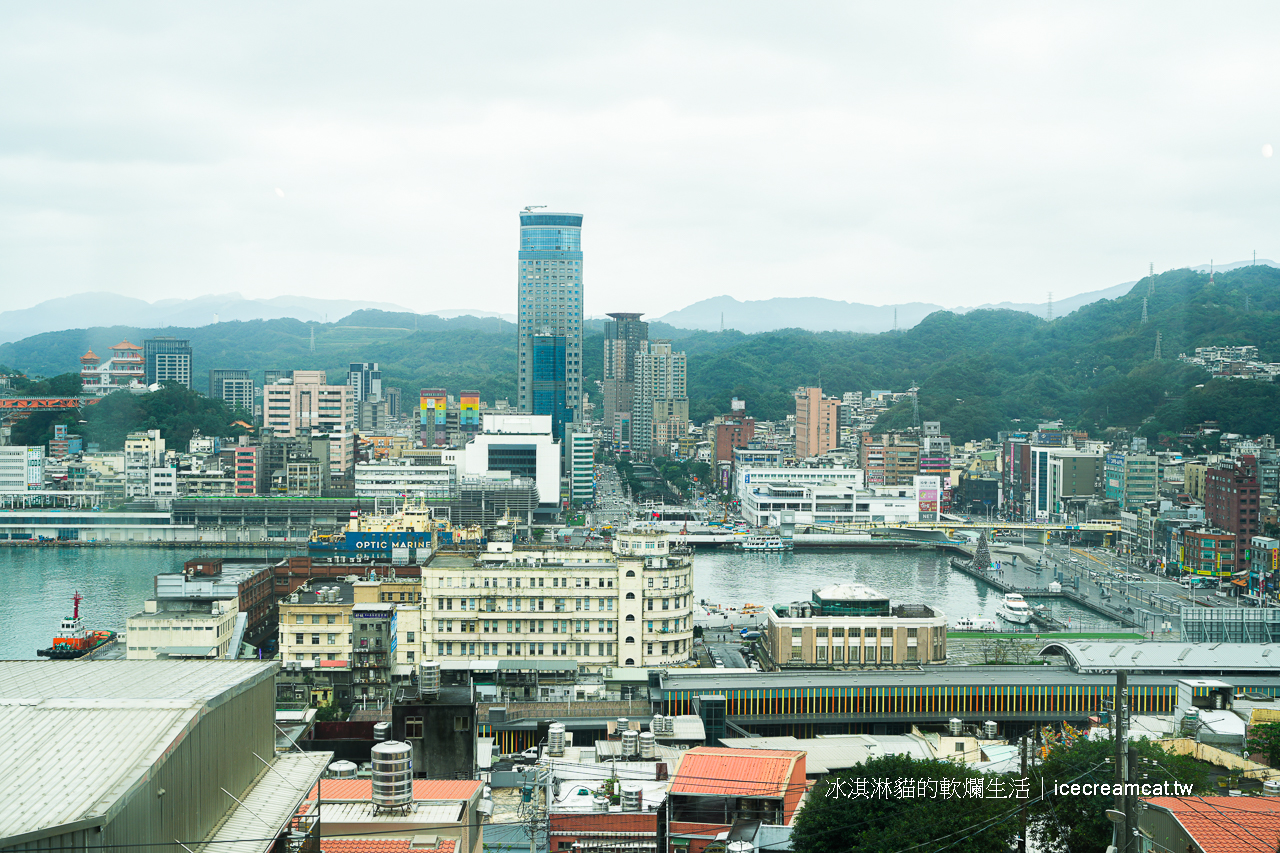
{"points": [[138, 754]]}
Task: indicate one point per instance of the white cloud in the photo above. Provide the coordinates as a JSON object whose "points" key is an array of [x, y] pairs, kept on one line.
{"points": [[883, 154]]}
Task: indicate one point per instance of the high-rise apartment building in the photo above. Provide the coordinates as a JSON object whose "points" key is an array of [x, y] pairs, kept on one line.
{"points": [[308, 402], [660, 404], [622, 337], [817, 423], [365, 379], [167, 359], [234, 387], [1231, 499], [550, 305]]}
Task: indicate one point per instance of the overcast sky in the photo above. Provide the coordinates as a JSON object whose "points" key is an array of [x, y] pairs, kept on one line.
{"points": [[881, 153]]}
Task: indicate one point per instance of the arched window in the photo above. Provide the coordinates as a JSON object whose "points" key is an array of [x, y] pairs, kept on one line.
{"points": [[631, 662], [631, 617], [631, 639], [630, 573], [631, 596]]}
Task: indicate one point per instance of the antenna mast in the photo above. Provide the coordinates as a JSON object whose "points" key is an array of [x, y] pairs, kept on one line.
{"points": [[1049, 308]]}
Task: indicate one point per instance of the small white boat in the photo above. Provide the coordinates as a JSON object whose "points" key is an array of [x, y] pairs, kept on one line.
{"points": [[1014, 608], [975, 623], [765, 542]]}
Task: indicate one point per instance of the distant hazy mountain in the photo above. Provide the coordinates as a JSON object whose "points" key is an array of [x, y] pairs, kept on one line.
{"points": [[109, 309], [822, 315]]}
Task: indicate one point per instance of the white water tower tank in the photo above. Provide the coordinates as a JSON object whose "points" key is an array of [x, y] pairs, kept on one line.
{"points": [[990, 730], [740, 847], [429, 678], [632, 796], [555, 740], [1271, 788], [623, 725], [381, 731], [647, 745], [392, 774], [657, 725], [599, 803], [955, 726], [630, 743], [342, 770]]}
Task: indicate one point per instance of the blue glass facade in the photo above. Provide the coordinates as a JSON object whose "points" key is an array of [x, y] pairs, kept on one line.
{"points": [[549, 372], [550, 393]]}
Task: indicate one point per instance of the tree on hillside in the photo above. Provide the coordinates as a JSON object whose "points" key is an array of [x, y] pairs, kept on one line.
{"points": [[896, 802], [175, 410]]}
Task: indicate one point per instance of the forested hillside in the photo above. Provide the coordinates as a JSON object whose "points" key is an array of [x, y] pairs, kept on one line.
{"points": [[978, 372]]}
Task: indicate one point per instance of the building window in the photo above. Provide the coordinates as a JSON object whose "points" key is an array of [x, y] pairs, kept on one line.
{"points": [[413, 727], [631, 640], [462, 724]]}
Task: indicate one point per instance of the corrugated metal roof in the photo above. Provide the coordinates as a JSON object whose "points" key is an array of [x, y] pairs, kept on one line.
{"points": [[35, 785], [423, 789], [333, 816], [736, 772], [271, 802], [127, 679], [135, 709], [838, 752], [1194, 657]]}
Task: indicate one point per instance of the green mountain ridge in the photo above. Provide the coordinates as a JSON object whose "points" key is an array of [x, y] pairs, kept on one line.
{"points": [[978, 372]]}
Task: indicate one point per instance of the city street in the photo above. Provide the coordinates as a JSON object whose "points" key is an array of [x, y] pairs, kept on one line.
{"points": [[1109, 579]]}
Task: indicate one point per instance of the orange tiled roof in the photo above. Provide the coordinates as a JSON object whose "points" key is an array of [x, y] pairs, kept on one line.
{"points": [[384, 845], [423, 789], [1227, 824], [736, 772], [125, 345], [89, 356]]}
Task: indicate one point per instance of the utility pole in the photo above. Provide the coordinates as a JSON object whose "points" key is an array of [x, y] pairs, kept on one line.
{"points": [[1131, 803], [1022, 834], [1120, 713]]}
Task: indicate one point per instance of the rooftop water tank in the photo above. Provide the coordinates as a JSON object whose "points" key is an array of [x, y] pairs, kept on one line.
{"points": [[955, 726], [342, 770], [599, 804], [381, 731], [657, 725], [392, 774], [429, 678], [623, 725], [555, 740], [1271, 788], [648, 745], [630, 743], [740, 847], [632, 796], [990, 730]]}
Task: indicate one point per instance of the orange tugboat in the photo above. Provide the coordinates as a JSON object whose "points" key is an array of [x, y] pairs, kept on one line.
{"points": [[73, 640]]}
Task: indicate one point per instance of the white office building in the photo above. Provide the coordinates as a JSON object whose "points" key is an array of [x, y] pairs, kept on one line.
{"points": [[625, 607], [394, 478], [522, 445], [21, 469]]}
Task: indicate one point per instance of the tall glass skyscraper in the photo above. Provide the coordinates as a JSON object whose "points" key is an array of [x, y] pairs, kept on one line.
{"points": [[550, 286]]}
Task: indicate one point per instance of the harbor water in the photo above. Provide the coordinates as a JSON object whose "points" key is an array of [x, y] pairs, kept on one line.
{"points": [[38, 583]]}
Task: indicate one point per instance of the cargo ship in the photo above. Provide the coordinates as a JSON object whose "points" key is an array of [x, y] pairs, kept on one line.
{"points": [[374, 535], [73, 641]]}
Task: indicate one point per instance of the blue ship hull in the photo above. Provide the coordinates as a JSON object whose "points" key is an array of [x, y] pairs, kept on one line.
{"points": [[370, 542]]}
